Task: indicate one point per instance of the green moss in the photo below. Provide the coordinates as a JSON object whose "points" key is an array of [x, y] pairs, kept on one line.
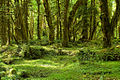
{"points": [[66, 67]]}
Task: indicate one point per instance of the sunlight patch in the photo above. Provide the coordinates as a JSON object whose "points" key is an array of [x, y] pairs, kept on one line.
{"points": [[37, 65]]}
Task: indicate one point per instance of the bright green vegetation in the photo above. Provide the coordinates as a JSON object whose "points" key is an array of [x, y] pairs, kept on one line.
{"points": [[67, 66], [64, 68], [59, 39]]}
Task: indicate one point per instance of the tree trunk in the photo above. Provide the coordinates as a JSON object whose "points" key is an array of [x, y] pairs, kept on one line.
{"points": [[59, 25], [49, 20], [119, 32], [8, 5], [105, 23], [74, 33], [31, 30], [26, 20], [115, 17], [71, 17], [38, 22], [58, 31], [18, 32], [3, 28], [85, 22], [65, 36], [116, 31], [108, 28], [93, 25]]}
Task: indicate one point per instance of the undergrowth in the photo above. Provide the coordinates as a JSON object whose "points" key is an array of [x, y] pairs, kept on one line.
{"points": [[83, 61]]}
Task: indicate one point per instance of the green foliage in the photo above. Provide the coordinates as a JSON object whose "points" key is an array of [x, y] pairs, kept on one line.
{"points": [[110, 55], [99, 55], [87, 55], [35, 53], [63, 68], [10, 74]]}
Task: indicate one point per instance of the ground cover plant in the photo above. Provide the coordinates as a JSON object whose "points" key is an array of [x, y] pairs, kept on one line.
{"points": [[76, 63]]}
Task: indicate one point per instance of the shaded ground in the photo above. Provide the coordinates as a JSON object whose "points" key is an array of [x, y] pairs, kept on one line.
{"points": [[67, 67]]}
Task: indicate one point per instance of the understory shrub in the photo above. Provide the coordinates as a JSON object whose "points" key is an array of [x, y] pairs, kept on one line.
{"points": [[101, 55], [37, 53], [110, 55], [8, 57], [86, 55], [13, 74]]}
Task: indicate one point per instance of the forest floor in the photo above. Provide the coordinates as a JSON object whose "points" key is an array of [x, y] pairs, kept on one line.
{"points": [[67, 67]]}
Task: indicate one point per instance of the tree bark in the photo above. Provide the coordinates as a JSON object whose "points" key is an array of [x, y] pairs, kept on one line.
{"points": [[8, 5], [119, 32], [105, 23], [38, 22], [58, 30], [71, 17], [115, 17], [26, 20], [3, 28], [49, 20], [107, 26], [93, 25], [85, 22], [65, 31], [31, 30], [59, 25]]}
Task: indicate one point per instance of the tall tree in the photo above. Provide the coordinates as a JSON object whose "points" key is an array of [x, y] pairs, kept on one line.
{"points": [[107, 26], [38, 22], [26, 19], [49, 20], [59, 25], [71, 16], [85, 21], [31, 29], [18, 21], [105, 23], [8, 23], [116, 17], [93, 25], [65, 31], [3, 25]]}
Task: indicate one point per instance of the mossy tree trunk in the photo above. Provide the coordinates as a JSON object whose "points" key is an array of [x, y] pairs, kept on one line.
{"points": [[3, 23], [49, 20], [59, 25], [105, 23], [85, 22], [71, 17], [107, 26], [21, 21], [59, 18], [58, 30], [38, 22], [65, 31], [116, 17], [119, 31], [18, 21], [93, 25], [8, 23], [31, 30], [25, 28]]}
